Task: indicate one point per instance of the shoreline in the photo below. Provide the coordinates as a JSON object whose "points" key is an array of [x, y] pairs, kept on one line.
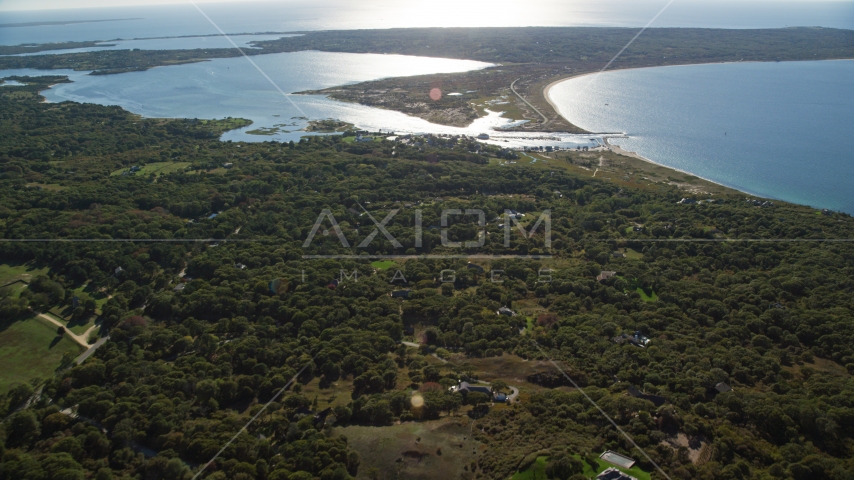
{"points": [[547, 88], [619, 150]]}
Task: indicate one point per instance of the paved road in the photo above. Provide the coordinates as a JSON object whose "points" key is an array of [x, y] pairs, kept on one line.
{"points": [[83, 356], [545, 119]]}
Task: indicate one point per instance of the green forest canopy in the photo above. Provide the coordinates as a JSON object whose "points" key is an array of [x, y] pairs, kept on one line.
{"points": [[184, 369]]}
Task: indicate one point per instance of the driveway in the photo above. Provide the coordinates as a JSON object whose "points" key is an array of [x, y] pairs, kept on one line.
{"points": [[80, 339]]}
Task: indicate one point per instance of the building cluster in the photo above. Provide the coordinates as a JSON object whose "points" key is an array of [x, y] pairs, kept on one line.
{"points": [[429, 139], [760, 203], [691, 201], [132, 170]]}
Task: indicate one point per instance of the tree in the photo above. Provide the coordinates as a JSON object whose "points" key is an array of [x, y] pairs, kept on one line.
{"points": [[477, 398], [18, 394], [499, 386], [562, 466], [23, 427]]}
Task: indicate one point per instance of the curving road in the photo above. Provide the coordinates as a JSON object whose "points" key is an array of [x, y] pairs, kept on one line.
{"points": [[81, 340], [513, 89], [512, 397]]}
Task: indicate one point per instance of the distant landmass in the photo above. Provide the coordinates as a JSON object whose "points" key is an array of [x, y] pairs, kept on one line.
{"points": [[63, 22]]}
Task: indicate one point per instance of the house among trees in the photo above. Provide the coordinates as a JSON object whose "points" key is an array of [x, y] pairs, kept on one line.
{"points": [[465, 388], [615, 458], [614, 474], [505, 311], [722, 387], [514, 214], [637, 339], [605, 276], [475, 267], [655, 399], [400, 294]]}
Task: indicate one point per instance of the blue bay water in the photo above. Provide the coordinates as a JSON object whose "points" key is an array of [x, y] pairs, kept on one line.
{"points": [[231, 87], [778, 130]]}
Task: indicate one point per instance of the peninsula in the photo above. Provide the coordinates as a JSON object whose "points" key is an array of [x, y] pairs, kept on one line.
{"points": [[529, 59]]}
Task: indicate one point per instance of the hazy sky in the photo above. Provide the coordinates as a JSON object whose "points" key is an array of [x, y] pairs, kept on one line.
{"points": [[61, 4]]}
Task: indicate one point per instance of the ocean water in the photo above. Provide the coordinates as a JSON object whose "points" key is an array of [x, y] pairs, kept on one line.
{"points": [[182, 43], [298, 15], [778, 130], [231, 87]]}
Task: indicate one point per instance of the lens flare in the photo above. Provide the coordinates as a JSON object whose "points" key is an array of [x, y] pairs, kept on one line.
{"points": [[435, 94], [417, 401]]}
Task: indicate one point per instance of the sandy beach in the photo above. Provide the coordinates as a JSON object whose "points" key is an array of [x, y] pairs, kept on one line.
{"points": [[549, 87], [616, 148]]}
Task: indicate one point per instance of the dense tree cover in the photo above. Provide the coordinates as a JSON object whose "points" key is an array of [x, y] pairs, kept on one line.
{"points": [[191, 358], [584, 46]]}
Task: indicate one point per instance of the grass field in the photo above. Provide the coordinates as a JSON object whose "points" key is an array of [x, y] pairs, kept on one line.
{"points": [[78, 327], [337, 394], [383, 264], [633, 255], [645, 297], [424, 450], [14, 289], [24, 272], [28, 349], [99, 297], [512, 369], [537, 470]]}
